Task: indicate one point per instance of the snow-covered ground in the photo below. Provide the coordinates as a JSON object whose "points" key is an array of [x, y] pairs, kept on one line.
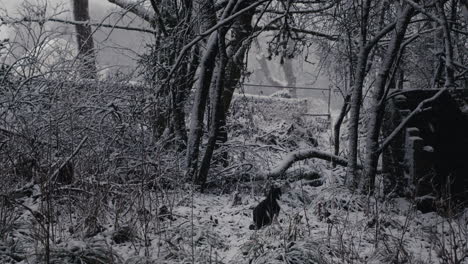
{"points": [[318, 223]]}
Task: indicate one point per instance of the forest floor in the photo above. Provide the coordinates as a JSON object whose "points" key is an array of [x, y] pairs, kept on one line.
{"points": [[320, 221]]}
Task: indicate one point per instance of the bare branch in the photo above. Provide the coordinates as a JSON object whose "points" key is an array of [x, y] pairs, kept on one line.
{"points": [[403, 124], [423, 10], [304, 31], [380, 35], [72, 22]]}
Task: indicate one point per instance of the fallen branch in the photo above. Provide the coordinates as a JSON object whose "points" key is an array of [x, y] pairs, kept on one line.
{"points": [[302, 155]]}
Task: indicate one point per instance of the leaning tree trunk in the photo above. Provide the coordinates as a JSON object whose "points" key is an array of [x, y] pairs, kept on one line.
{"points": [[216, 113], [378, 105], [207, 65], [84, 40], [338, 123], [199, 104], [236, 52]]}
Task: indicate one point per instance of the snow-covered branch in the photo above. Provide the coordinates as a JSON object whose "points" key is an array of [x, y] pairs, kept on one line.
{"points": [[422, 10], [138, 9], [302, 155], [403, 124], [73, 22]]}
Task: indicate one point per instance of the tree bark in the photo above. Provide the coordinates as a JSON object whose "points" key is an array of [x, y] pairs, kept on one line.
{"points": [[199, 103], [377, 108], [237, 51], [355, 107], [216, 114], [449, 69], [204, 82], [337, 127], [289, 76], [356, 98], [365, 46], [84, 39]]}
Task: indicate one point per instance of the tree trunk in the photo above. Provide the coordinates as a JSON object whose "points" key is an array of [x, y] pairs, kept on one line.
{"points": [[204, 82], [289, 76], [449, 69], [377, 108], [356, 98], [216, 114], [199, 103], [84, 40], [355, 107], [337, 127], [237, 52]]}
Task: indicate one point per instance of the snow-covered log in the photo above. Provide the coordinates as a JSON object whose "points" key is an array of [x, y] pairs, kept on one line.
{"points": [[302, 155]]}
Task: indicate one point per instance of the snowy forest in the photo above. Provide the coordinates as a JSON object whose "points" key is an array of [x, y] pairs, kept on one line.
{"points": [[233, 131]]}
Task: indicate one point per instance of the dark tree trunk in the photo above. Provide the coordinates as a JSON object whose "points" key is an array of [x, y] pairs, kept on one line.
{"points": [[84, 40], [337, 127], [356, 98], [199, 104], [207, 66], [238, 47], [216, 115], [449, 69]]}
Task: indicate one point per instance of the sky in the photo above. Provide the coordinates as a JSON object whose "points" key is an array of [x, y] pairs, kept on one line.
{"points": [[117, 48], [122, 48]]}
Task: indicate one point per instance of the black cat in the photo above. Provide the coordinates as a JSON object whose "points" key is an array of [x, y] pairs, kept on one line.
{"points": [[267, 209]]}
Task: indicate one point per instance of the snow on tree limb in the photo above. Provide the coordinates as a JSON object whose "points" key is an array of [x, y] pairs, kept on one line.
{"points": [[73, 22], [302, 155], [403, 124], [137, 8], [424, 11]]}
